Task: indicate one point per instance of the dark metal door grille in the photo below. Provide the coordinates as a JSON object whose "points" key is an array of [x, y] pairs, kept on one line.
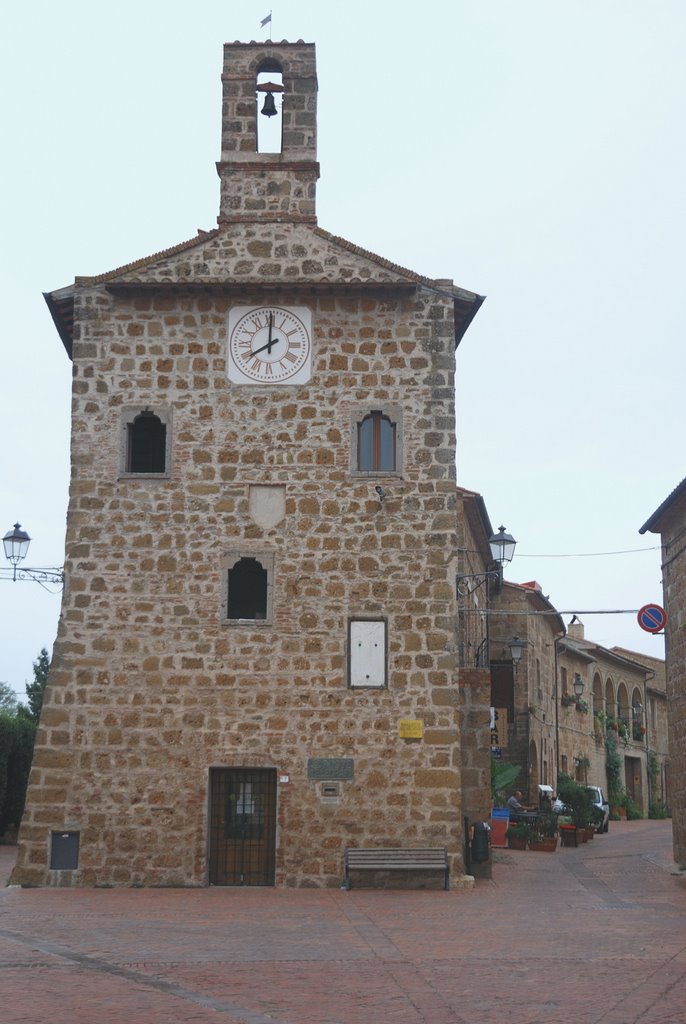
{"points": [[242, 826]]}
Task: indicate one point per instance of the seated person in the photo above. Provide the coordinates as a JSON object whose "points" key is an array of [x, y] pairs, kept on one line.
{"points": [[516, 807]]}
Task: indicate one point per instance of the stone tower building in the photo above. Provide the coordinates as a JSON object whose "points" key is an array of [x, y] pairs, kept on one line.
{"points": [[255, 663]]}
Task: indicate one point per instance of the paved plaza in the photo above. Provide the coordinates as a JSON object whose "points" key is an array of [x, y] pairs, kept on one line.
{"points": [[583, 935]]}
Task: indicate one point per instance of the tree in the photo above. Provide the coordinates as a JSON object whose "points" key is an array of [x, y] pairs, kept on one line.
{"points": [[8, 700], [35, 690], [18, 723]]}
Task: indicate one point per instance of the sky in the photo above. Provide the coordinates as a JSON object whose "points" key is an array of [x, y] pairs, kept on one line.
{"points": [[533, 152]]}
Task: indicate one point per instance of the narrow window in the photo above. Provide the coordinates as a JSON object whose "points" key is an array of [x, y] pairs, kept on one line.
{"points": [[376, 444], [269, 99], [563, 680], [146, 444], [247, 590]]}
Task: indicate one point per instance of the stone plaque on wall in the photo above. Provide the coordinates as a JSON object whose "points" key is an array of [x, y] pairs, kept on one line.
{"points": [[329, 768]]}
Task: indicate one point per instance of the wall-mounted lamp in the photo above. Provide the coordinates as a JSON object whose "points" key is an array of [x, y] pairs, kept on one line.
{"points": [[516, 649], [16, 544], [502, 547], [578, 686]]}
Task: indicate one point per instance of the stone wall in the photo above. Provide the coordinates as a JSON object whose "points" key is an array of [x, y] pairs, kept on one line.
{"points": [[150, 686], [475, 731], [670, 522]]}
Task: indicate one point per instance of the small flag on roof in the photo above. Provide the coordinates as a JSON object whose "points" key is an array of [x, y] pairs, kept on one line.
{"points": [[266, 21]]}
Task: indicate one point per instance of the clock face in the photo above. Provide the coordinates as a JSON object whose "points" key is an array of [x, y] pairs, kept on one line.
{"points": [[270, 345]]}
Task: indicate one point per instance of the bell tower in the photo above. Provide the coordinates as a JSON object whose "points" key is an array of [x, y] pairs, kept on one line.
{"points": [[267, 86]]}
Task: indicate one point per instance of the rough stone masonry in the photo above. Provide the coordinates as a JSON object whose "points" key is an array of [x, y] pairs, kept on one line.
{"points": [[154, 691]]}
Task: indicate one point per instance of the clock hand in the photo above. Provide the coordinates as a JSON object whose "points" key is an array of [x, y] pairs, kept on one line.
{"points": [[270, 343], [269, 346]]}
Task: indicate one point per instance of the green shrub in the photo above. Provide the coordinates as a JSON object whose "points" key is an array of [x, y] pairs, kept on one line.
{"points": [[17, 735], [578, 798], [633, 811], [503, 778]]}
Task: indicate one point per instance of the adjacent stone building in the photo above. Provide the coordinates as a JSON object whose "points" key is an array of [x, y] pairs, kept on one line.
{"points": [[669, 520], [614, 703], [525, 691], [546, 727], [256, 658]]}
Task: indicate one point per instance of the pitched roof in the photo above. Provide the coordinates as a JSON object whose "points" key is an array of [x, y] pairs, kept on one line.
{"points": [[653, 524], [211, 259]]}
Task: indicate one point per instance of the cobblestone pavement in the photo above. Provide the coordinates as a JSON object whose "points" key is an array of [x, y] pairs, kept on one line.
{"points": [[584, 935]]}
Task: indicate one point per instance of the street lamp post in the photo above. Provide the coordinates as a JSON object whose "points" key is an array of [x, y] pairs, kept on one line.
{"points": [[502, 547], [16, 544]]}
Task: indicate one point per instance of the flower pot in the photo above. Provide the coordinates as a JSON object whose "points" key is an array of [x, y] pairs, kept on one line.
{"points": [[581, 836], [590, 832], [568, 835], [548, 844], [516, 842]]}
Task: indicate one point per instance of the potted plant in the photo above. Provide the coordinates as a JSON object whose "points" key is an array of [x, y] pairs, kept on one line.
{"points": [[579, 799], [545, 833], [518, 835]]}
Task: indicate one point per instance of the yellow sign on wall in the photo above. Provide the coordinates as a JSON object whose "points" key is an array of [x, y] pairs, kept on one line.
{"points": [[411, 728]]}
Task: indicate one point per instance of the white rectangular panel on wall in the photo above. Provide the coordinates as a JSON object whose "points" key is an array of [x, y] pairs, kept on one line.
{"points": [[367, 652]]}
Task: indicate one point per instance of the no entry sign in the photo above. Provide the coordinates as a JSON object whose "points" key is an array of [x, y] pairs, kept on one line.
{"points": [[652, 618]]}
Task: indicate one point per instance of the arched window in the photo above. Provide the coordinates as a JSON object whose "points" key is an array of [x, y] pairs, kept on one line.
{"points": [[623, 710], [247, 590], [146, 444], [269, 100], [638, 730], [610, 704], [597, 694], [376, 448]]}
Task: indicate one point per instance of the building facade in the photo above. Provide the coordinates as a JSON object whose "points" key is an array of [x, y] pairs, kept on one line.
{"points": [[524, 691], [596, 714], [669, 521], [256, 662]]}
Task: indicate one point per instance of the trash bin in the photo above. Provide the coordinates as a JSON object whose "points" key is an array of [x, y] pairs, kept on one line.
{"points": [[481, 842]]}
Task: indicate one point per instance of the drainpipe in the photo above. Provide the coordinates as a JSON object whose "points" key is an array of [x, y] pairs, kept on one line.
{"points": [[650, 674], [556, 699]]}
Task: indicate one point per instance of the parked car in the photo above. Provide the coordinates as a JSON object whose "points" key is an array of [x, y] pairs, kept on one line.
{"points": [[599, 802], [603, 807]]}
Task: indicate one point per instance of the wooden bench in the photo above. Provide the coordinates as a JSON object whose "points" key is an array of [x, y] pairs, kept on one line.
{"points": [[431, 859]]}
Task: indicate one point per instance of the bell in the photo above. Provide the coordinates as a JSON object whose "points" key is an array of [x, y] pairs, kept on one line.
{"points": [[269, 108]]}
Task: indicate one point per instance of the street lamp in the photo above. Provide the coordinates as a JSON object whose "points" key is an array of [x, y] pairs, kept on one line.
{"points": [[502, 547], [16, 544], [516, 649]]}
